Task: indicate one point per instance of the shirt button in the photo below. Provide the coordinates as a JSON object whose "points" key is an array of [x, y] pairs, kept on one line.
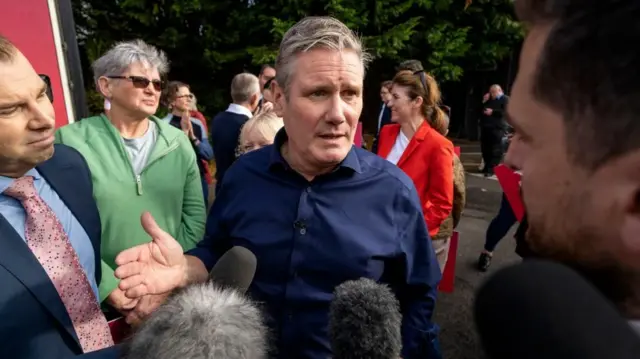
{"points": [[303, 231], [308, 189]]}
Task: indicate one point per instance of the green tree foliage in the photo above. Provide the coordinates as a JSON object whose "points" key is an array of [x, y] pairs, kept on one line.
{"points": [[208, 41]]}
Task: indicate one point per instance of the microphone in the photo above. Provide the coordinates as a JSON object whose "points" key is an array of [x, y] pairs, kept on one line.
{"points": [[539, 309], [201, 321], [365, 321], [235, 269], [206, 320]]}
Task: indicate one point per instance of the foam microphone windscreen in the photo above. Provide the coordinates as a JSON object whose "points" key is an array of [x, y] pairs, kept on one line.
{"points": [[201, 321], [365, 321], [540, 309], [235, 269]]}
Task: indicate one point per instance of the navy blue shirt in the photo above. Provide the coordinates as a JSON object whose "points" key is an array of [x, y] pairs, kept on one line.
{"points": [[362, 220]]}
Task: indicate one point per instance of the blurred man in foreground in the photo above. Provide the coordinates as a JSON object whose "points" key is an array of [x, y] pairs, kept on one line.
{"points": [[575, 109]]}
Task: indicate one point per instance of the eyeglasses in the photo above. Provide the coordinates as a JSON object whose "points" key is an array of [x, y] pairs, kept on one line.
{"points": [[141, 82], [423, 80], [49, 90], [267, 85]]}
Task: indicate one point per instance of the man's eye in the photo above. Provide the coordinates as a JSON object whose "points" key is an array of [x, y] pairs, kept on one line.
{"points": [[8, 111]]}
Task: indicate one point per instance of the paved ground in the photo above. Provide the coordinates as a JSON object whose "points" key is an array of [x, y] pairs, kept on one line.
{"points": [[454, 311]]}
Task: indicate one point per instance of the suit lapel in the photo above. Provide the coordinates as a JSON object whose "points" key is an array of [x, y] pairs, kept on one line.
{"points": [[414, 143], [388, 138], [17, 258]]}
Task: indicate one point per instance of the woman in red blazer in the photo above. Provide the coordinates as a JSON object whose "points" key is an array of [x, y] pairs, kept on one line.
{"points": [[414, 142]]}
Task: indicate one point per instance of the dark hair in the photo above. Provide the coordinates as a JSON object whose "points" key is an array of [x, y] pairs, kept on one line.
{"points": [[387, 84], [170, 92], [587, 71], [266, 66], [424, 85], [410, 65], [7, 49]]}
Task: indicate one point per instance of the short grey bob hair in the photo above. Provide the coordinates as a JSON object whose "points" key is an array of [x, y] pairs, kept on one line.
{"points": [[117, 60], [315, 32]]}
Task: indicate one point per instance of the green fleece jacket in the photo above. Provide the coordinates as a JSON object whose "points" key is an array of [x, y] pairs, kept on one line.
{"points": [[169, 187]]}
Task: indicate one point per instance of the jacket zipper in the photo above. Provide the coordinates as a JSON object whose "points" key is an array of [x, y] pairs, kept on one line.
{"points": [[138, 178]]}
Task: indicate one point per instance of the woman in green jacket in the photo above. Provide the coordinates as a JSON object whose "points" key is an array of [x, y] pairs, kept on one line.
{"points": [[138, 162]]}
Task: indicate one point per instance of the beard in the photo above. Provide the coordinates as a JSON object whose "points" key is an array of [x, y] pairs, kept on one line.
{"points": [[581, 250]]}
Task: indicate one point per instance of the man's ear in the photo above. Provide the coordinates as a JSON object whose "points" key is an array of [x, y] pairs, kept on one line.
{"points": [[621, 183], [278, 98]]}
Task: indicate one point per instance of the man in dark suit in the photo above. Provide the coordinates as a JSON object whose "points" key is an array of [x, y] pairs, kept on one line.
{"points": [[384, 116], [493, 128], [226, 126], [49, 229]]}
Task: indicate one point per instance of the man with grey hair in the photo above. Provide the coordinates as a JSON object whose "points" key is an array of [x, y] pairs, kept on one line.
{"points": [[225, 126], [315, 210]]}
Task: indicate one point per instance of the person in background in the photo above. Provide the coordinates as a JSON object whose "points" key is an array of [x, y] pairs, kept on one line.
{"points": [[410, 65], [442, 240], [138, 162], [316, 210], [196, 114], [49, 229], [267, 73], [384, 116], [493, 128], [498, 229], [177, 97], [258, 132], [416, 144], [226, 126]]}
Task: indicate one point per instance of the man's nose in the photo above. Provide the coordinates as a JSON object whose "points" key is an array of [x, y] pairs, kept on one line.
{"points": [[42, 116], [335, 113]]}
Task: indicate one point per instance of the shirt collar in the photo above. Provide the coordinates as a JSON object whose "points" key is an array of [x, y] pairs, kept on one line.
{"points": [[351, 162], [240, 110], [5, 182]]}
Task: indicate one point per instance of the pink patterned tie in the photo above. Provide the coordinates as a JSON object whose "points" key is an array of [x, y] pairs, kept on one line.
{"points": [[49, 243]]}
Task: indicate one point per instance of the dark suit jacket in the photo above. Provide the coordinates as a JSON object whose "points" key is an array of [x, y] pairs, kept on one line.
{"points": [[385, 120], [225, 133], [33, 320]]}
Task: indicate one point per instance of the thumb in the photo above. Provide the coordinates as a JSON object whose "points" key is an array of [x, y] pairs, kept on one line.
{"points": [[151, 227]]}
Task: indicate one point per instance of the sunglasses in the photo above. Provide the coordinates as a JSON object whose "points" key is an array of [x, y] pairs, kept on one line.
{"points": [[423, 80], [47, 81], [141, 82], [267, 85], [190, 96]]}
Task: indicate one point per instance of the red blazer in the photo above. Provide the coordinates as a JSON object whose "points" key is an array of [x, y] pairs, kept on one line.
{"points": [[428, 160]]}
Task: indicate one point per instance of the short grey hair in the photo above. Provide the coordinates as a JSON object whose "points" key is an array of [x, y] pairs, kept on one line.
{"points": [[117, 60], [243, 86], [315, 32]]}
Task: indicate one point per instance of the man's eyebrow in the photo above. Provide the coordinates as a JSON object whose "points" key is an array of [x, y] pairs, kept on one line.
{"points": [[41, 90]]}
